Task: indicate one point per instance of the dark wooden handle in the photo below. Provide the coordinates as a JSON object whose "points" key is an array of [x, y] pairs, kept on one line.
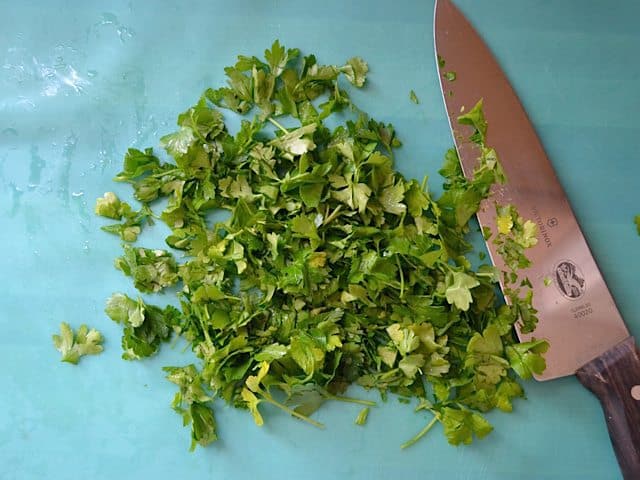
{"points": [[614, 377]]}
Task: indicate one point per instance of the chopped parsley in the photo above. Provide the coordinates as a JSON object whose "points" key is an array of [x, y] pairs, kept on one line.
{"points": [[72, 345], [332, 269]]}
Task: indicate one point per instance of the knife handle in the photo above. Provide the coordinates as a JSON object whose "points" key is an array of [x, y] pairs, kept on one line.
{"points": [[614, 377]]}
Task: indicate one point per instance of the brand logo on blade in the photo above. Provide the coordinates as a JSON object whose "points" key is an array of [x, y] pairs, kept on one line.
{"points": [[569, 279], [544, 232]]}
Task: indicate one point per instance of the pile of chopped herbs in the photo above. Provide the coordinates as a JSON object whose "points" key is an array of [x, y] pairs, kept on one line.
{"points": [[332, 269]]}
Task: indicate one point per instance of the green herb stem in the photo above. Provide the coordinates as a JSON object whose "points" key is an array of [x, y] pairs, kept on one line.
{"points": [[272, 401], [358, 401], [277, 124], [420, 434]]}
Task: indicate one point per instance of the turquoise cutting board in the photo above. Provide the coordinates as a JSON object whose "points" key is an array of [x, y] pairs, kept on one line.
{"points": [[82, 81]]}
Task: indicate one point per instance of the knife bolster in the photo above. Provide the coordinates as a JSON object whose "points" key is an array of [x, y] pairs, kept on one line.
{"points": [[614, 377]]}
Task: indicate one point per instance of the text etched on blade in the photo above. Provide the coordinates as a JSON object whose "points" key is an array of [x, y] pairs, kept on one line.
{"points": [[542, 226]]}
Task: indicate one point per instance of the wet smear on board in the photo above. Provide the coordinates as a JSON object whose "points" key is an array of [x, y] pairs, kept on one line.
{"points": [[50, 73], [68, 150], [3, 161], [134, 83], [83, 211], [107, 150], [10, 131], [16, 196], [35, 168]]}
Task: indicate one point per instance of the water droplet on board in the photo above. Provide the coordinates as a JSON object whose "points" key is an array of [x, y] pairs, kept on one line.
{"points": [[110, 20]]}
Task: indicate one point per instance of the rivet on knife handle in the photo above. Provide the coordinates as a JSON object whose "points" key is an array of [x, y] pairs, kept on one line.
{"points": [[614, 377]]}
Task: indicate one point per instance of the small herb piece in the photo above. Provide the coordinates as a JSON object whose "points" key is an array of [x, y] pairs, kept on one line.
{"points": [[525, 358], [637, 220], [110, 206], [361, 419], [356, 71], [413, 97], [450, 76], [441, 62], [191, 402], [460, 425], [73, 346], [145, 327], [547, 281], [151, 270]]}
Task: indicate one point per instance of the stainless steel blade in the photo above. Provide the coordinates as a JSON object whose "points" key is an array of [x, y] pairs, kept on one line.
{"points": [[577, 312]]}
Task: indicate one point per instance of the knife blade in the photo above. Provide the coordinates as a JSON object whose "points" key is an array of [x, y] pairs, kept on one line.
{"points": [[578, 315]]}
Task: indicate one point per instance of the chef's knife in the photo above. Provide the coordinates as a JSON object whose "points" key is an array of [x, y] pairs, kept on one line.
{"points": [[578, 315]]}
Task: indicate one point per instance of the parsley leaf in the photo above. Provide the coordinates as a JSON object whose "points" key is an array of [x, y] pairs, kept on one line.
{"points": [[191, 403], [461, 425], [151, 270], [526, 358], [73, 346], [145, 326], [277, 58], [475, 118], [356, 71], [110, 206], [458, 290], [137, 163]]}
